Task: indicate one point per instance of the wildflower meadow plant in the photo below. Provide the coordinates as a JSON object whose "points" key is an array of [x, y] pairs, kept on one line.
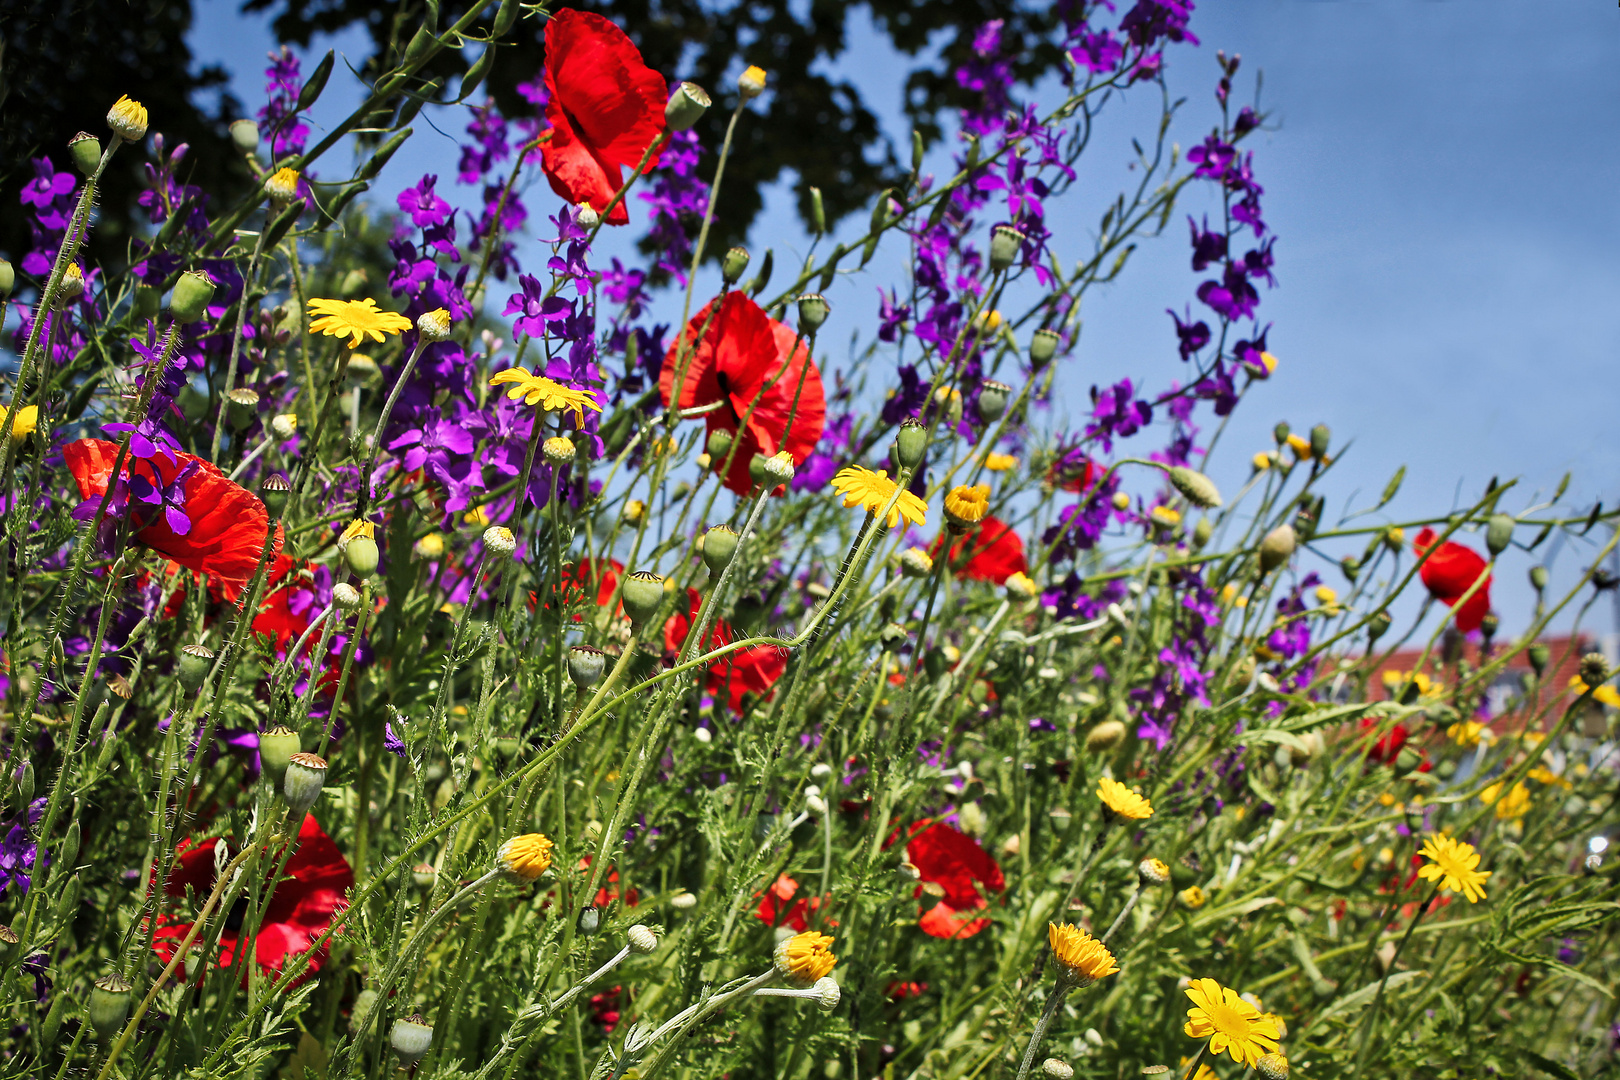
{"points": [[431, 648]]}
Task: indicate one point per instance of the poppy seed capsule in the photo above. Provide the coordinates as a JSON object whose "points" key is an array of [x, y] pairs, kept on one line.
{"points": [[276, 748], [189, 301], [1278, 547], [813, 311], [993, 400], [109, 1004], [719, 545], [1594, 669], [273, 492], [1499, 534], [245, 134], [1538, 577], [423, 874], [686, 106], [1319, 441], [1198, 489], [642, 594], [85, 149], [1042, 347], [1538, 655], [732, 267], [1004, 244], [302, 783], [244, 402], [410, 1037], [910, 443], [499, 541], [1378, 625], [590, 919], [195, 663], [585, 665], [719, 444]]}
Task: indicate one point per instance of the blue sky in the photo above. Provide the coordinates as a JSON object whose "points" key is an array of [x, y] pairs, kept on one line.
{"points": [[1440, 176]]}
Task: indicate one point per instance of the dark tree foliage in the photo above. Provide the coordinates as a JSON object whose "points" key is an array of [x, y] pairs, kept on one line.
{"points": [[62, 65]]}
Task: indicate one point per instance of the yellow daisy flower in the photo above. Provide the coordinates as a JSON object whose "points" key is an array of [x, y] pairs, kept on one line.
{"points": [[1122, 800], [1451, 863], [1193, 897], [1081, 958], [1000, 462], [359, 319], [547, 393], [526, 857], [1164, 515], [966, 505], [128, 118], [1465, 733], [1301, 447], [872, 490], [1231, 1025], [804, 958], [1514, 804], [26, 421]]}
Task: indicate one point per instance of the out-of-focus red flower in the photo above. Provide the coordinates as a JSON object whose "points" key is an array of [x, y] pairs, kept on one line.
{"points": [[1388, 747], [899, 991], [744, 357], [577, 580], [1449, 572], [992, 552], [606, 109], [949, 858], [751, 670], [228, 521], [609, 892], [1072, 472], [605, 1008], [302, 907], [276, 619], [778, 908]]}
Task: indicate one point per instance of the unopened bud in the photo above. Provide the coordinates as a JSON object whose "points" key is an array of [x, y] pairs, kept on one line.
{"points": [[1105, 736], [345, 596], [641, 939], [1198, 489], [1272, 1067], [916, 563], [1499, 534], [284, 425], [1319, 441], [1538, 577], [590, 919], [558, 450], [719, 545], [1004, 244], [1538, 655], [1378, 625], [8, 279], [127, 118], [1152, 872], [282, 186], [71, 287], [1057, 1070], [245, 134], [499, 541], [719, 444], [302, 783], [587, 217], [733, 265], [683, 901], [751, 83], [434, 325], [779, 467], [827, 993], [686, 106], [1277, 547], [85, 149]]}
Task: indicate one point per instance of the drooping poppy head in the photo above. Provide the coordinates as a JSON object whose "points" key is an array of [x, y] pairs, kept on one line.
{"points": [[991, 552], [216, 528], [606, 109], [742, 364], [949, 858], [1450, 571]]}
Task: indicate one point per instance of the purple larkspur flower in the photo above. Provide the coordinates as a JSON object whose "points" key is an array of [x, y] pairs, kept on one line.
{"points": [[423, 204]]}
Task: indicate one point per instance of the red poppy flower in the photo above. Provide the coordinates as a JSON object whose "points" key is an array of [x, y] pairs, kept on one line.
{"points": [[609, 892], [1071, 472], [899, 991], [1388, 747], [778, 908], [744, 358], [228, 522], [605, 1008], [1451, 570], [577, 582], [300, 910], [948, 857], [992, 552], [606, 109], [751, 670], [276, 619]]}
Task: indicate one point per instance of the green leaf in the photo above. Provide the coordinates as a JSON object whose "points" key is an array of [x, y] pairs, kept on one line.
{"points": [[1364, 996], [1548, 1066]]}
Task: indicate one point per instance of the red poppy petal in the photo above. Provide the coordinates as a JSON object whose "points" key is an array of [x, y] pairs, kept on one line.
{"points": [[946, 921]]}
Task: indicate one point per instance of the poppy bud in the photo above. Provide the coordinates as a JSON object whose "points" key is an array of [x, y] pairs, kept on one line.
{"points": [[585, 665], [25, 786], [1488, 625], [1199, 489], [1306, 518], [993, 400], [302, 783], [1351, 566], [1281, 432], [410, 1037], [364, 1002], [813, 311], [1057, 1070], [641, 939], [1538, 577], [109, 1004], [1319, 441], [127, 118], [586, 216], [244, 402], [85, 149], [499, 541], [1378, 625], [276, 748], [1538, 655], [642, 594], [1408, 759], [1272, 1067], [756, 469], [1499, 534], [195, 663], [68, 853], [818, 212], [1277, 547], [245, 134], [751, 83], [590, 919], [719, 444], [683, 901], [345, 596], [1004, 244], [1042, 347], [1202, 532], [719, 545], [282, 186], [1105, 736], [686, 106], [916, 563], [8, 279], [733, 265], [1594, 669], [273, 492]]}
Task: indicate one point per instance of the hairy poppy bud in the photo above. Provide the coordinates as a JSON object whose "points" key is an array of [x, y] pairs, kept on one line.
{"points": [[345, 596], [641, 939], [585, 665], [1199, 489], [1281, 432], [85, 149], [274, 491], [499, 541], [302, 783], [1538, 577], [410, 1037], [1319, 441], [719, 545], [1042, 347], [916, 563], [733, 265], [1499, 534], [751, 83], [1202, 532], [245, 134], [109, 1004], [910, 443], [1378, 625], [813, 311], [1538, 655], [642, 594], [127, 118], [1004, 244], [993, 400], [276, 748], [195, 663], [1105, 736], [719, 444], [25, 786], [686, 106], [1277, 547]]}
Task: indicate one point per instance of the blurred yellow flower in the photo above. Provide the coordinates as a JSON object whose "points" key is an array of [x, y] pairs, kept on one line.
{"points": [[359, 319], [1465, 733], [1230, 595], [26, 421], [1193, 897], [1327, 596], [1605, 694], [1301, 447], [1122, 800], [1000, 462], [1514, 804], [1164, 515], [1543, 775], [1261, 461]]}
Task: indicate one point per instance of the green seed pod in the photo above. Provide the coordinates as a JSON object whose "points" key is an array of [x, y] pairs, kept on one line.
{"points": [[1198, 489], [317, 81], [1042, 347], [274, 492], [993, 398], [719, 445], [1278, 547], [67, 904], [245, 134], [910, 443], [189, 301], [1499, 534], [68, 854], [1351, 567], [1489, 624], [585, 665], [244, 408], [642, 595], [1201, 533], [1105, 736], [757, 471], [1281, 432], [818, 213], [733, 265], [380, 156], [196, 661], [302, 783], [813, 311], [1407, 760], [1594, 669], [410, 1037], [507, 746], [719, 545], [25, 786], [85, 149], [1538, 655], [686, 106], [109, 1004], [1004, 244], [1538, 577], [276, 748], [52, 1026], [1378, 625], [590, 919], [361, 554], [1319, 441]]}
